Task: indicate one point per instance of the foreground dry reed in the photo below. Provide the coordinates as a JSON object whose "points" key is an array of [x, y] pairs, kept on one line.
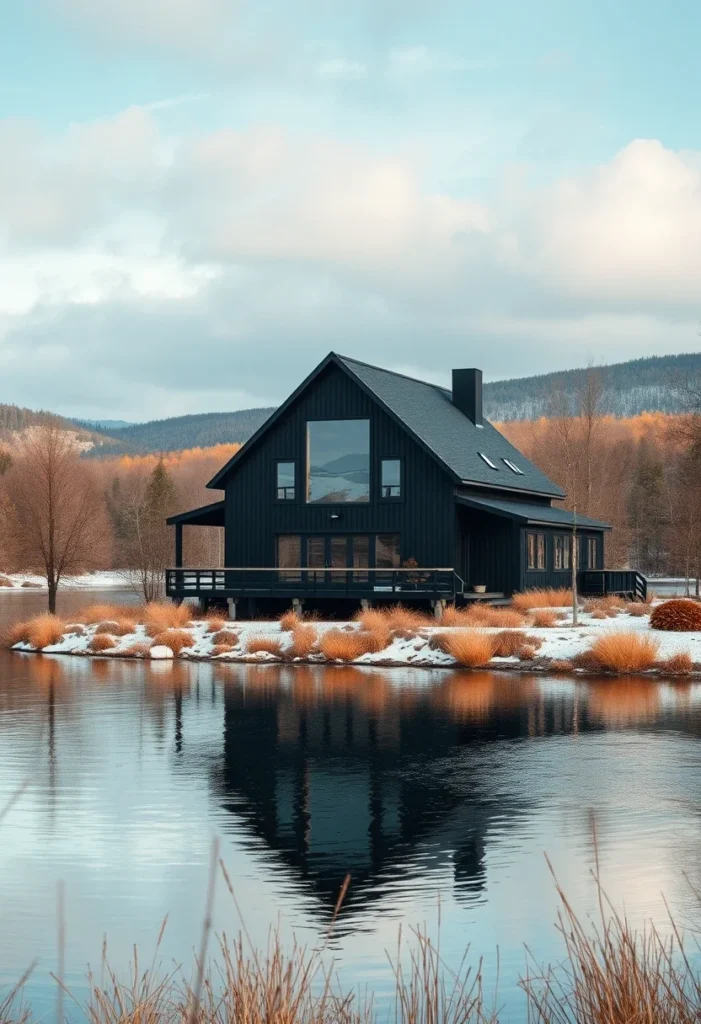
{"points": [[611, 973]]}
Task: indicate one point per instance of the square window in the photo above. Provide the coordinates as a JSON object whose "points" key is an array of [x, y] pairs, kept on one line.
{"points": [[285, 481], [391, 478], [338, 461]]}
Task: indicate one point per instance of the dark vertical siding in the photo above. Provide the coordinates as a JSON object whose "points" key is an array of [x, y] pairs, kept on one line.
{"points": [[489, 549], [551, 577], [425, 518]]}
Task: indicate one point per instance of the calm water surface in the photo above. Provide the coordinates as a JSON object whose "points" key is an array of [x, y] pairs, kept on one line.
{"points": [[438, 791]]}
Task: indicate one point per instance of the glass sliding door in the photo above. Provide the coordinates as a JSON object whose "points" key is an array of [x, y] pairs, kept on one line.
{"points": [[289, 556], [360, 553], [338, 557], [316, 557]]}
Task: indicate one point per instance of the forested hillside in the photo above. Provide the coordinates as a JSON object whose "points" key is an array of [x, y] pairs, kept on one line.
{"points": [[182, 432], [641, 385]]}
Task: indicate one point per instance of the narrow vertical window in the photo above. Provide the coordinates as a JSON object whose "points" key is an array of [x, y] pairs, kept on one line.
{"points": [[391, 483], [531, 551], [541, 550], [558, 553], [591, 553], [285, 481], [566, 552], [387, 551], [289, 555]]}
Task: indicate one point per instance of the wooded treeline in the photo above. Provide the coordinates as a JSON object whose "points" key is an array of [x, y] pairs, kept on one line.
{"points": [[61, 514]]}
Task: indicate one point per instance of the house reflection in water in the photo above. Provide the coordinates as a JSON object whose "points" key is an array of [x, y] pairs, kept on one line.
{"points": [[342, 771]]}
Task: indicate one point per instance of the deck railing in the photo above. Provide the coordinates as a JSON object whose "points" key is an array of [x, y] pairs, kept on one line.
{"points": [[624, 582], [266, 582]]}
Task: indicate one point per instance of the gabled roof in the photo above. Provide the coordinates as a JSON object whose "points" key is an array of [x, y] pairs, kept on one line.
{"points": [[426, 412], [207, 515], [535, 515]]}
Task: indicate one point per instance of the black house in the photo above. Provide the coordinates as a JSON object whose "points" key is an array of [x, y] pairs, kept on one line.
{"points": [[367, 485]]}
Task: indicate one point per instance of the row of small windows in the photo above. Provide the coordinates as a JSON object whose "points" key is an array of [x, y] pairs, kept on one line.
{"points": [[337, 551], [338, 466], [507, 462], [536, 548]]}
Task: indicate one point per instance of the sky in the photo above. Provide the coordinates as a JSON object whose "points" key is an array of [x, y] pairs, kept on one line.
{"points": [[200, 198]]}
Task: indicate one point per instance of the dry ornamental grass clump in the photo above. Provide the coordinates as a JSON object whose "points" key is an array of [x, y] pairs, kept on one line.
{"points": [[226, 636], [304, 639], [339, 645], [119, 627], [41, 631], [100, 613], [453, 616], [371, 618], [624, 652], [470, 647], [542, 597], [216, 623], [495, 618], [102, 642], [527, 653], [176, 639], [638, 609], [677, 616], [511, 642], [138, 650], [561, 665], [679, 664], [222, 649], [267, 644], [162, 615], [288, 621], [544, 618], [376, 640]]}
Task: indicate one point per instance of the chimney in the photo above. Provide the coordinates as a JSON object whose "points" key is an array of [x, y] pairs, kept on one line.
{"points": [[467, 394]]}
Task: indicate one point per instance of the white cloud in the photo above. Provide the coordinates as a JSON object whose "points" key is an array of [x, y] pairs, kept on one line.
{"points": [[137, 265]]}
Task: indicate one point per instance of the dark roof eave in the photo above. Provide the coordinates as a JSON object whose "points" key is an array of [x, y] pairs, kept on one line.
{"points": [[557, 493], [204, 512], [521, 516]]}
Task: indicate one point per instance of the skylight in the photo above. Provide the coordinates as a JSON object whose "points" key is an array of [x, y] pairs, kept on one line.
{"points": [[488, 461], [512, 466]]}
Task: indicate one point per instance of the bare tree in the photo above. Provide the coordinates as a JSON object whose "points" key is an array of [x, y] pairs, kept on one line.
{"points": [[148, 549], [566, 449], [58, 520]]}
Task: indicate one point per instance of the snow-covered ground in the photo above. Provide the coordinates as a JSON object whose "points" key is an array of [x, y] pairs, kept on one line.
{"points": [[561, 643], [103, 580]]}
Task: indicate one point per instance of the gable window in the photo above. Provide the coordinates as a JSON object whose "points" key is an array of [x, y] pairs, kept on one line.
{"points": [[488, 461], [512, 466], [535, 546], [561, 552], [338, 461], [285, 481], [391, 479], [592, 552]]}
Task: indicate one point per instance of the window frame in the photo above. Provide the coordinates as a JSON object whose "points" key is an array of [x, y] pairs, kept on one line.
{"points": [[286, 500], [393, 498], [592, 546], [536, 566], [487, 460], [307, 461], [288, 573], [512, 466], [564, 542]]}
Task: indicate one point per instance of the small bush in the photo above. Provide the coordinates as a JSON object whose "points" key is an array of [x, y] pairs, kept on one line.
{"points": [[225, 636], [338, 645], [638, 609], [677, 616], [544, 618], [496, 618], [610, 603], [256, 644], [470, 647], [222, 649], [103, 612], [376, 640], [304, 640], [215, 624], [399, 617], [102, 642], [599, 613], [75, 629], [162, 615], [680, 664], [288, 621], [545, 597], [371, 619], [625, 652], [439, 642], [40, 632], [5, 582], [453, 616], [527, 653], [138, 650], [176, 639], [561, 665], [120, 627], [511, 641]]}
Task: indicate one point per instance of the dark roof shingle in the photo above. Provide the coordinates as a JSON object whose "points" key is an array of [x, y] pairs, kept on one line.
{"points": [[530, 513]]}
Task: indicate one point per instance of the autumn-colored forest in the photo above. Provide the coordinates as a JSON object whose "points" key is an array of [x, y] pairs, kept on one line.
{"points": [[641, 474]]}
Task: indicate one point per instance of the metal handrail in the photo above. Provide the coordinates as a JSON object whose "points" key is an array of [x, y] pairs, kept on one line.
{"points": [[306, 568]]}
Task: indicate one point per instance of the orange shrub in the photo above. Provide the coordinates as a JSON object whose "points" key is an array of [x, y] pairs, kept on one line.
{"points": [[453, 616], [542, 597], [439, 642], [4, 582], [176, 639], [138, 650], [44, 630], [339, 645], [303, 641], [102, 642], [215, 624], [222, 649], [120, 627], [561, 665], [544, 618], [625, 652], [470, 647], [264, 643], [162, 615], [511, 641], [638, 609], [399, 617], [599, 613], [100, 612], [375, 640], [225, 636], [677, 616], [496, 618], [680, 664], [288, 621], [75, 628], [527, 653], [371, 619]]}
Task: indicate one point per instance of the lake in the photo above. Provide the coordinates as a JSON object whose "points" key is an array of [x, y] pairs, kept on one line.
{"points": [[438, 791]]}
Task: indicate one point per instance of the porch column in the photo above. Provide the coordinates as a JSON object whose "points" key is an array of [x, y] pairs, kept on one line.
{"points": [[178, 545]]}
